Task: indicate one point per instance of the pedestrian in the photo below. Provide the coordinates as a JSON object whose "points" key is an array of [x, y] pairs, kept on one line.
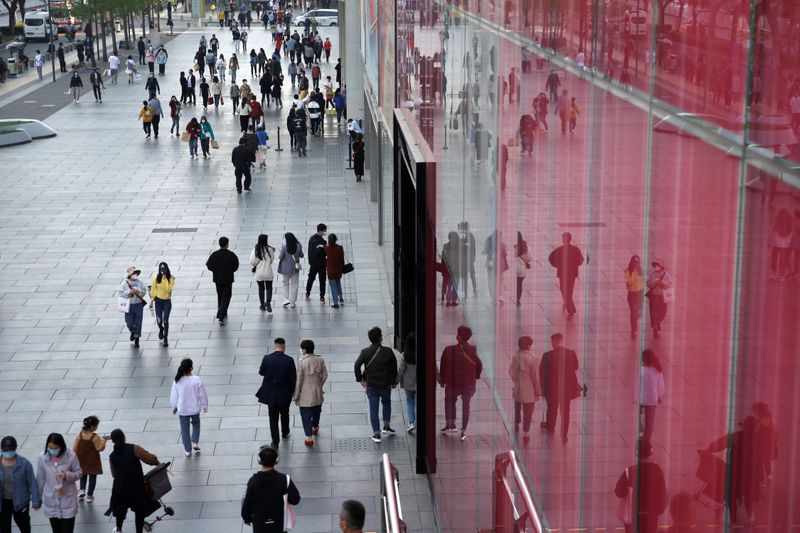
{"points": [[191, 86], [234, 94], [141, 48], [146, 113], [267, 495], [75, 86], [158, 114], [265, 86], [309, 392], [206, 136], [38, 62], [134, 290], [289, 267], [277, 389], [567, 258], [242, 158], [56, 474], [20, 489], [128, 490], [526, 387], [221, 70], [113, 67], [359, 154], [187, 398], [496, 257], [660, 293], [540, 110], [62, 63], [562, 110], [233, 67], [175, 114], [150, 58], [244, 110], [766, 441], [211, 61], [277, 88], [573, 113], [327, 46], [408, 378], [205, 93], [339, 104], [161, 59], [223, 263], [559, 384], [193, 131], [378, 376], [338, 69], [634, 283], [450, 267], [648, 390], [317, 261], [780, 243], [96, 79], [334, 268], [459, 370], [87, 446], [161, 296], [552, 84], [527, 133], [263, 146], [643, 492], [261, 258], [352, 517], [152, 86], [256, 112]]}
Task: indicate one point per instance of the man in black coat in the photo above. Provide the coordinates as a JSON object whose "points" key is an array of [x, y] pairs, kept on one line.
{"points": [[559, 383], [140, 47], [378, 376], [263, 504], [317, 261], [567, 258], [277, 389], [241, 158], [62, 63], [223, 263]]}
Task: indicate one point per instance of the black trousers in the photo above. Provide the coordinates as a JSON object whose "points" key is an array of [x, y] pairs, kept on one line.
{"points": [[62, 525], [156, 122], [264, 292], [247, 178], [192, 96], [98, 94], [315, 271], [224, 291], [276, 412], [138, 521], [567, 286], [523, 412], [553, 405], [22, 518], [161, 67]]}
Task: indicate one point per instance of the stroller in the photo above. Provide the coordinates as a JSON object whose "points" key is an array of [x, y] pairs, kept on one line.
{"points": [[711, 471], [156, 485]]}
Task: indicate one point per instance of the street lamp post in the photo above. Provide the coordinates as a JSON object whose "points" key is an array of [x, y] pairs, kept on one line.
{"points": [[52, 46]]}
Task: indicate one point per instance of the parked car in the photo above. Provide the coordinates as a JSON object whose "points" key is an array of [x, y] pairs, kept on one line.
{"points": [[325, 17]]}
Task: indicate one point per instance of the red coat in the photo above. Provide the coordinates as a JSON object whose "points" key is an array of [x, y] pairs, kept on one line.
{"points": [[255, 109], [335, 255]]}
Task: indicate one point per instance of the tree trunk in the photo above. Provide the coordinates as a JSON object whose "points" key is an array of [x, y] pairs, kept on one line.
{"points": [[12, 14], [114, 49]]}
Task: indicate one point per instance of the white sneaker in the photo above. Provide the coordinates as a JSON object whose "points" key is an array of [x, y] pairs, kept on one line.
{"points": [[292, 306], [196, 446], [187, 454], [411, 427]]}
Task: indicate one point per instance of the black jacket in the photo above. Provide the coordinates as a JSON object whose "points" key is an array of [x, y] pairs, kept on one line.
{"points": [[263, 502], [316, 251], [241, 157], [382, 372], [280, 377], [223, 263], [152, 84]]}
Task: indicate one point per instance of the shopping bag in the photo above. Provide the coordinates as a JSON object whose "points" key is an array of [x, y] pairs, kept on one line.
{"points": [[214, 144], [513, 141], [123, 304], [185, 136], [210, 100], [221, 101], [289, 516], [623, 511]]}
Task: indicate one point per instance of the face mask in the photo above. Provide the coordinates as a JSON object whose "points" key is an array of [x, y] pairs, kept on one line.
{"points": [[9, 454], [54, 452], [134, 277]]}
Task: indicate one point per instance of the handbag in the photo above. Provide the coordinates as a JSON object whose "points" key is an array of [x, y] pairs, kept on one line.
{"points": [[289, 516], [623, 511], [214, 144], [347, 268], [186, 136], [522, 267], [669, 295], [221, 101], [123, 304]]}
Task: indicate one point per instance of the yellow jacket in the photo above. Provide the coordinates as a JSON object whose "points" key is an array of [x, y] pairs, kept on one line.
{"points": [[163, 290], [634, 281], [146, 114]]}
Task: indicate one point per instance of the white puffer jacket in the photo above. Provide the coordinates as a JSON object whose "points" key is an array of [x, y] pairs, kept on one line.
{"points": [[263, 267]]}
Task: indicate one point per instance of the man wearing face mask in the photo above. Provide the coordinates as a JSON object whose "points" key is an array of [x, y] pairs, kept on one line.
{"points": [[317, 261], [18, 487], [134, 290]]}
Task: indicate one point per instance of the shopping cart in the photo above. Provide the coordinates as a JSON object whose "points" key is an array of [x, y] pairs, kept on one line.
{"points": [[711, 471], [156, 485]]}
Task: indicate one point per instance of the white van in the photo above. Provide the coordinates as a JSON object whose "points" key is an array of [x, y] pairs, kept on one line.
{"points": [[37, 26], [325, 17]]}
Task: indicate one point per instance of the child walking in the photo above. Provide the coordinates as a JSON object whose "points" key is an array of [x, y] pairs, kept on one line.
{"points": [[87, 446]]}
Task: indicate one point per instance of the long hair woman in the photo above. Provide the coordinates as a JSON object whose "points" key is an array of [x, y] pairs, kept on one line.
{"points": [[334, 267], [408, 378], [289, 267], [188, 398], [634, 282], [649, 391], [161, 296], [261, 262]]}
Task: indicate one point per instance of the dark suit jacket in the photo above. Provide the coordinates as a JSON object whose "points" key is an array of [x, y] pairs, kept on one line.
{"points": [[280, 377], [557, 374], [566, 258], [223, 263]]}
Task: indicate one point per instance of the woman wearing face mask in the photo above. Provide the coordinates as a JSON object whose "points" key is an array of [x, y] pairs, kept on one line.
{"points": [[193, 129], [133, 288], [128, 489], [261, 260], [87, 446], [659, 293], [57, 472], [634, 282], [206, 136], [18, 486], [175, 115], [161, 297]]}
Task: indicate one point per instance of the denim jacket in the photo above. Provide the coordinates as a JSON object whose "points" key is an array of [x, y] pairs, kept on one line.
{"points": [[286, 261], [25, 488]]}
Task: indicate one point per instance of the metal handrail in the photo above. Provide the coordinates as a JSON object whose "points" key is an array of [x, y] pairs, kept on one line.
{"points": [[392, 510], [524, 492], [505, 499]]}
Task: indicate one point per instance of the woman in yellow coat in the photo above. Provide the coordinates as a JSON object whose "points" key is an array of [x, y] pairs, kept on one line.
{"points": [[161, 297]]}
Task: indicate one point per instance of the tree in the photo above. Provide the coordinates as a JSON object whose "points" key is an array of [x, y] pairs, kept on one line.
{"points": [[12, 6]]}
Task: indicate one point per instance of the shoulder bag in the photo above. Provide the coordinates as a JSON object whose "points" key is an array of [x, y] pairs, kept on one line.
{"points": [[624, 506], [348, 267], [364, 374], [289, 516]]}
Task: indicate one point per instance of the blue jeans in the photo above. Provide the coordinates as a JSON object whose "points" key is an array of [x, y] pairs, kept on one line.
{"points": [[192, 146], [185, 420], [336, 290], [133, 319], [376, 397], [163, 309], [310, 417], [411, 405]]}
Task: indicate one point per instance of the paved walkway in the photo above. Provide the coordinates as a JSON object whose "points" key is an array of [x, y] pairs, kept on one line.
{"points": [[81, 207]]}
